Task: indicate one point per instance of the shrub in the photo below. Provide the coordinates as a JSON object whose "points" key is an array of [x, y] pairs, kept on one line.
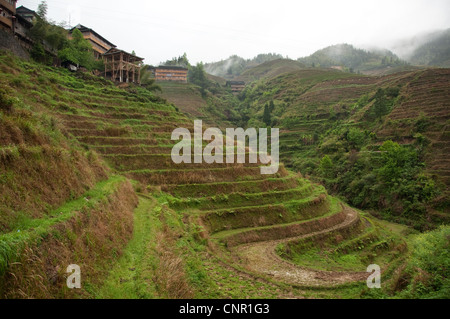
{"points": [[430, 265], [6, 103], [356, 137]]}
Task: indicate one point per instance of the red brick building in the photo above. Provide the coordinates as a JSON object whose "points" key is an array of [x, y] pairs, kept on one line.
{"points": [[171, 74]]}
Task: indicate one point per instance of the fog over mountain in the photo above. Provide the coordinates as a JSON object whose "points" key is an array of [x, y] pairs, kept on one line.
{"points": [[405, 48], [211, 31]]}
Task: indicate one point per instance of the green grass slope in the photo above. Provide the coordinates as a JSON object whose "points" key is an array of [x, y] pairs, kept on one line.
{"points": [[213, 106], [58, 200], [198, 231]]}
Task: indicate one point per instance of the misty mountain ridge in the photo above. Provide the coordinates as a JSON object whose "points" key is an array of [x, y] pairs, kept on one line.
{"points": [[235, 65], [270, 69], [347, 57], [406, 47], [429, 49], [344, 57], [435, 50]]}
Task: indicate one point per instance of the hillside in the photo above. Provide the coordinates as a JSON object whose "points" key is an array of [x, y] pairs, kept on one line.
{"points": [[435, 51], [218, 105], [199, 231], [270, 69], [57, 198], [234, 66], [213, 106], [347, 57], [327, 112]]}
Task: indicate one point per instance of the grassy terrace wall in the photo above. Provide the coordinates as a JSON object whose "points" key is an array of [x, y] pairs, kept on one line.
{"points": [[59, 205], [264, 215], [353, 249], [68, 144], [89, 232], [326, 219]]}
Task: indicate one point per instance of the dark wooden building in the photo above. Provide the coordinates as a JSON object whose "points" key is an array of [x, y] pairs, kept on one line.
{"points": [[121, 66], [7, 14], [23, 23], [99, 44], [171, 73], [26, 14]]}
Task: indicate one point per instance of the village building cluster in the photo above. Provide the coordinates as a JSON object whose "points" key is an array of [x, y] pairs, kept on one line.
{"points": [[120, 66]]}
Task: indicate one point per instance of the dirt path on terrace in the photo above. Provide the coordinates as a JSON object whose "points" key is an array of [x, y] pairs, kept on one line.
{"points": [[261, 258]]}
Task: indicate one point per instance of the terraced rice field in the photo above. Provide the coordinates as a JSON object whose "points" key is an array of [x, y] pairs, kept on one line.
{"points": [[315, 100], [244, 215], [429, 94], [240, 234]]}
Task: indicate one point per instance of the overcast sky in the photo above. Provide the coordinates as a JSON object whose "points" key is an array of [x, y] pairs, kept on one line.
{"points": [[212, 30]]}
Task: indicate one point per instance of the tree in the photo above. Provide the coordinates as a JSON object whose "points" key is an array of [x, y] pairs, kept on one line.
{"points": [[42, 10], [38, 53], [180, 61], [356, 138], [146, 79], [381, 105], [326, 166], [183, 61], [78, 51], [267, 117], [56, 37], [271, 106], [398, 162], [197, 76], [46, 36], [40, 26]]}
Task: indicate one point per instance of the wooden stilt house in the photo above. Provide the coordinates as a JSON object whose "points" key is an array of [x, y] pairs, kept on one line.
{"points": [[121, 66]]}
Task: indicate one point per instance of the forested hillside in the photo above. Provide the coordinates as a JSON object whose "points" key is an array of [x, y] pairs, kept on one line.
{"points": [[235, 65], [434, 52], [348, 58], [377, 141]]}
